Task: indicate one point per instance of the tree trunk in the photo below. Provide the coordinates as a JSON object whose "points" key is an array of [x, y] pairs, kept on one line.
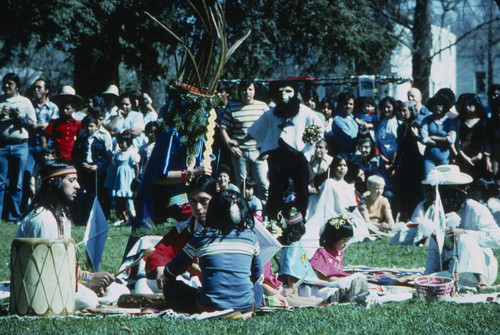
{"points": [[490, 48], [97, 62], [422, 44]]}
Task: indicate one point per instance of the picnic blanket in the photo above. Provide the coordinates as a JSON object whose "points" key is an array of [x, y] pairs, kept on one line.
{"points": [[387, 276]]}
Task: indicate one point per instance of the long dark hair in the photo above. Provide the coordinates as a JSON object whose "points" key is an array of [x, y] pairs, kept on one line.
{"points": [[50, 190], [470, 99], [228, 211], [332, 234]]}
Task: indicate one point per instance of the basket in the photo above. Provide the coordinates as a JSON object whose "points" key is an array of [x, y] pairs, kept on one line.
{"points": [[433, 287]]}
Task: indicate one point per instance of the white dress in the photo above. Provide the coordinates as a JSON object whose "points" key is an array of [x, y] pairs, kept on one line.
{"points": [[474, 246], [335, 198]]}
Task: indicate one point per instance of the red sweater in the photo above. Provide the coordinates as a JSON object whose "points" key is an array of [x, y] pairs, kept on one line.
{"points": [[169, 246]]}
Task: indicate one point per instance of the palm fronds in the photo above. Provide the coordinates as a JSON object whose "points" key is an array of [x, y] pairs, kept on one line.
{"points": [[204, 59]]}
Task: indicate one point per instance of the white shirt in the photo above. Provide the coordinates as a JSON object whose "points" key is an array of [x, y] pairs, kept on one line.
{"points": [[41, 223]]}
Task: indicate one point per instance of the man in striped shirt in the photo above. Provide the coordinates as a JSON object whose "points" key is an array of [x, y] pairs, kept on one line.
{"points": [[234, 129]]}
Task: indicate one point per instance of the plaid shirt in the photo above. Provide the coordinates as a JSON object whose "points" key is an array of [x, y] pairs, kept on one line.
{"points": [[48, 111]]}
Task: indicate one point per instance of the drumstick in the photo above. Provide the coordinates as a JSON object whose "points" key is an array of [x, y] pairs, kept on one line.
{"points": [[146, 253]]}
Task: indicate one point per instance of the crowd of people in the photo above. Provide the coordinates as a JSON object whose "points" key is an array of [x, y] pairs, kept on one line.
{"points": [[334, 172]]}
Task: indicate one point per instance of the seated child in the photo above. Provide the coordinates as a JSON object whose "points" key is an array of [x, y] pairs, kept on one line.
{"points": [[277, 294], [295, 267], [374, 207], [253, 202], [228, 254], [224, 179], [328, 261]]}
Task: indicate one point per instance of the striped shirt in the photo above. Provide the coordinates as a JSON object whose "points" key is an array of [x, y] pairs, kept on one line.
{"points": [[230, 266], [239, 117]]}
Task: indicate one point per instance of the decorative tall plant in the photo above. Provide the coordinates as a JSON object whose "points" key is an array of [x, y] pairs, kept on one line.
{"points": [[198, 71]]}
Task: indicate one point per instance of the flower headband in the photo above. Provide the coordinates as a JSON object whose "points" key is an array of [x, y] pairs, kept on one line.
{"points": [[340, 221], [60, 172]]}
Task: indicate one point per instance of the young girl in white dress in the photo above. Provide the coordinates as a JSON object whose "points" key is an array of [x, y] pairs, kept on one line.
{"points": [[336, 197], [126, 162]]}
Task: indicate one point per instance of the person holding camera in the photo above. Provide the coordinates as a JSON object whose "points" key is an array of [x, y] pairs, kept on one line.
{"points": [[17, 115]]}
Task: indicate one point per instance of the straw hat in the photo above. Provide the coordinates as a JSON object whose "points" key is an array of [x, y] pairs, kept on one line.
{"points": [[113, 90], [67, 95], [447, 175]]}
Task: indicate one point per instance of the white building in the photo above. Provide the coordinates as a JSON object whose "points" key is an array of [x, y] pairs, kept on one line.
{"points": [[443, 69]]}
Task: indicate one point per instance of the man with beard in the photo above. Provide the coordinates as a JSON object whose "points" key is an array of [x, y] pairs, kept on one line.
{"points": [[278, 133], [48, 217]]}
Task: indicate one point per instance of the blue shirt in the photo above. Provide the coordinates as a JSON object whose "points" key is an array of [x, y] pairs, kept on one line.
{"points": [[230, 266], [445, 127], [345, 130], [386, 137], [423, 113]]}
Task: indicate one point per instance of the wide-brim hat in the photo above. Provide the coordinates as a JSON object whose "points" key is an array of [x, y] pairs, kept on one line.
{"points": [[67, 95], [447, 175], [113, 90]]}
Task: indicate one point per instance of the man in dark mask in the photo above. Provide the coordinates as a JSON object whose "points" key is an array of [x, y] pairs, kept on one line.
{"points": [[278, 133]]}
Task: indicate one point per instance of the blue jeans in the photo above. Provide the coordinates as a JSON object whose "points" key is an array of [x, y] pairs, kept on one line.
{"points": [[13, 159]]}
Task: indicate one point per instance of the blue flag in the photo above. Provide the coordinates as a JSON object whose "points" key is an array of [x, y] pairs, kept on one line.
{"points": [[95, 234]]}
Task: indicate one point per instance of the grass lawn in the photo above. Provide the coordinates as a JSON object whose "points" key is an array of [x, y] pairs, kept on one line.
{"points": [[412, 316]]}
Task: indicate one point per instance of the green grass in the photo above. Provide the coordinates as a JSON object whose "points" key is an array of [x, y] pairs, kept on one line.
{"points": [[412, 316]]}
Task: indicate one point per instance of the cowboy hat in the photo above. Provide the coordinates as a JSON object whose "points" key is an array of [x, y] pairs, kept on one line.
{"points": [[112, 89], [447, 175], [67, 95]]}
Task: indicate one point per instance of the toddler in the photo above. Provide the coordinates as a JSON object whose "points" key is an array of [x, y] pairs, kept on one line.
{"points": [[126, 161]]}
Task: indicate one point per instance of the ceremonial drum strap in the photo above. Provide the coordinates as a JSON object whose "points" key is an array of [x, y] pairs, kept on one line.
{"points": [[60, 225]]}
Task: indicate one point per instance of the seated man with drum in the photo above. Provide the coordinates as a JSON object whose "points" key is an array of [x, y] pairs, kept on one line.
{"points": [[48, 217]]}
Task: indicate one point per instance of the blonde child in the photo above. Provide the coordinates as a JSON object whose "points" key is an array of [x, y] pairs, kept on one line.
{"points": [[376, 208]]}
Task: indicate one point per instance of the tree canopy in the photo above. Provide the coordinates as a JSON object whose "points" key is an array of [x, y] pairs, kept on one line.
{"points": [[289, 37]]}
